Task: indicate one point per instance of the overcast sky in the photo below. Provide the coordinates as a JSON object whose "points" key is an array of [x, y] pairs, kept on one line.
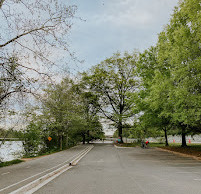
{"points": [[116, 25]]}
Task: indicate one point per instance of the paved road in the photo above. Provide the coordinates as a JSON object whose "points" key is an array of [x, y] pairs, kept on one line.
{"points": [[109, 170], [16, 176]]}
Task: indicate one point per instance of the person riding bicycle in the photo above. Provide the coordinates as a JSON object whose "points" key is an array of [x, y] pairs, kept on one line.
{"points": [[142, 144]]}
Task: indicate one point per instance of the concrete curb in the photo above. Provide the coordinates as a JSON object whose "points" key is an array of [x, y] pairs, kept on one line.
{"points": [[38, 183], [121, 147]]}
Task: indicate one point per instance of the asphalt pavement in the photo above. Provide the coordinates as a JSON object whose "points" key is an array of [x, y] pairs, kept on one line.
{"points": [[110, 170], [15, 176]]}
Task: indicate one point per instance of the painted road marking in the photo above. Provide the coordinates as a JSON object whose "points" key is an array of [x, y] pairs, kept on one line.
{"points": [[197, 179], [38, 183], [43, 171], [5, 173]]}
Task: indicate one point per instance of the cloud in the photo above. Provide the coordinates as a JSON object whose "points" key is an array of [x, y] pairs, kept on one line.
{"points": [[118, 25], [139, 13], [124, 16]]}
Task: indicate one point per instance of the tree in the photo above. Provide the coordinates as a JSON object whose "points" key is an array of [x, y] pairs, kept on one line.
{"points": [[179, 47], [62, 106], [31, 33], [112, 81], [92, 128], [67, 114], [11, 82], [33, 139], [152, 99]]}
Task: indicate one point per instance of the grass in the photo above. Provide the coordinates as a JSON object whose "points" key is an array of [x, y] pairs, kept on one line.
{"points": [[138, 144], [191, 149], [48, 152], [9, 163], [156, 144], [42, 153], [152, 144]]}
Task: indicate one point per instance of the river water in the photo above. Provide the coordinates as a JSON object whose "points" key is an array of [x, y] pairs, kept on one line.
{"points": [[11, 150]]}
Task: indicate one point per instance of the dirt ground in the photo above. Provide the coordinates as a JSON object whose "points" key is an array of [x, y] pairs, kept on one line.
{"points": [[192, 150], [189, 151]]}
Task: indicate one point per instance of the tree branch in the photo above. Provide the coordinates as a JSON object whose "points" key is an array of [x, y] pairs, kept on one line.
{"points": [[111, 101], [108, 117], [8, 94], [24, 34]]}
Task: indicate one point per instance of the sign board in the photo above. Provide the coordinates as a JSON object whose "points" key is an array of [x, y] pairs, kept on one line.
{"points": [[49, 138]]}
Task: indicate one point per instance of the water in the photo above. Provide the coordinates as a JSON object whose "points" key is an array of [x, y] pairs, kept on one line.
{"points": [[11, 150], [171, 139]]}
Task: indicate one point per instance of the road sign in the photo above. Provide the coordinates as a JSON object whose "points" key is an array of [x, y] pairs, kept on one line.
{"points": [[49, 138]]}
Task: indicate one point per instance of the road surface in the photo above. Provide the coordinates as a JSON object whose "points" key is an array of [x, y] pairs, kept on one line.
{"points": [[16, 176], [110, 170]]}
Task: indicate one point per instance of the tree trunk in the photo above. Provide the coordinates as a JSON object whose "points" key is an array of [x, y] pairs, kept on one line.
{"points": [[4, 138], [120, 132], [183, 136], [61, 142], [66, 140], [166, 138], [83, 138], [88, 136]]}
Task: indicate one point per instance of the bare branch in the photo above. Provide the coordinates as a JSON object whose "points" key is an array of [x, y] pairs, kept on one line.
{"points": [[8, 94], [24, 34]]}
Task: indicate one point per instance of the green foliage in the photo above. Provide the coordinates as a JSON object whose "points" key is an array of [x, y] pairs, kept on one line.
{"points": [[149, 104], [112, 82], [171, 74], [11, 133], [33, 139], [161, 87], [181, 40], [67, 114]]}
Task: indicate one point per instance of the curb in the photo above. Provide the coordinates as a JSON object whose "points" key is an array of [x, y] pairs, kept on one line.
{"points": [[121, 147], [38, 183]]}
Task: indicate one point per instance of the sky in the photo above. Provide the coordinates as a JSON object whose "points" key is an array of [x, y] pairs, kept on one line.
{"points": [[115, 25], [103, 27]]}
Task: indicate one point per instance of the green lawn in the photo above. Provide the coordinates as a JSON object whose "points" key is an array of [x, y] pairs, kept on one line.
{"points": [[2, 164]]}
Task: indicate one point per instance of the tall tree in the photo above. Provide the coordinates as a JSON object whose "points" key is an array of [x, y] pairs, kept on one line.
{"points": [[91, 117], [176, 85], [112, 81], [63, 107], [151, 100], [183, 35], [66, 114]]}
